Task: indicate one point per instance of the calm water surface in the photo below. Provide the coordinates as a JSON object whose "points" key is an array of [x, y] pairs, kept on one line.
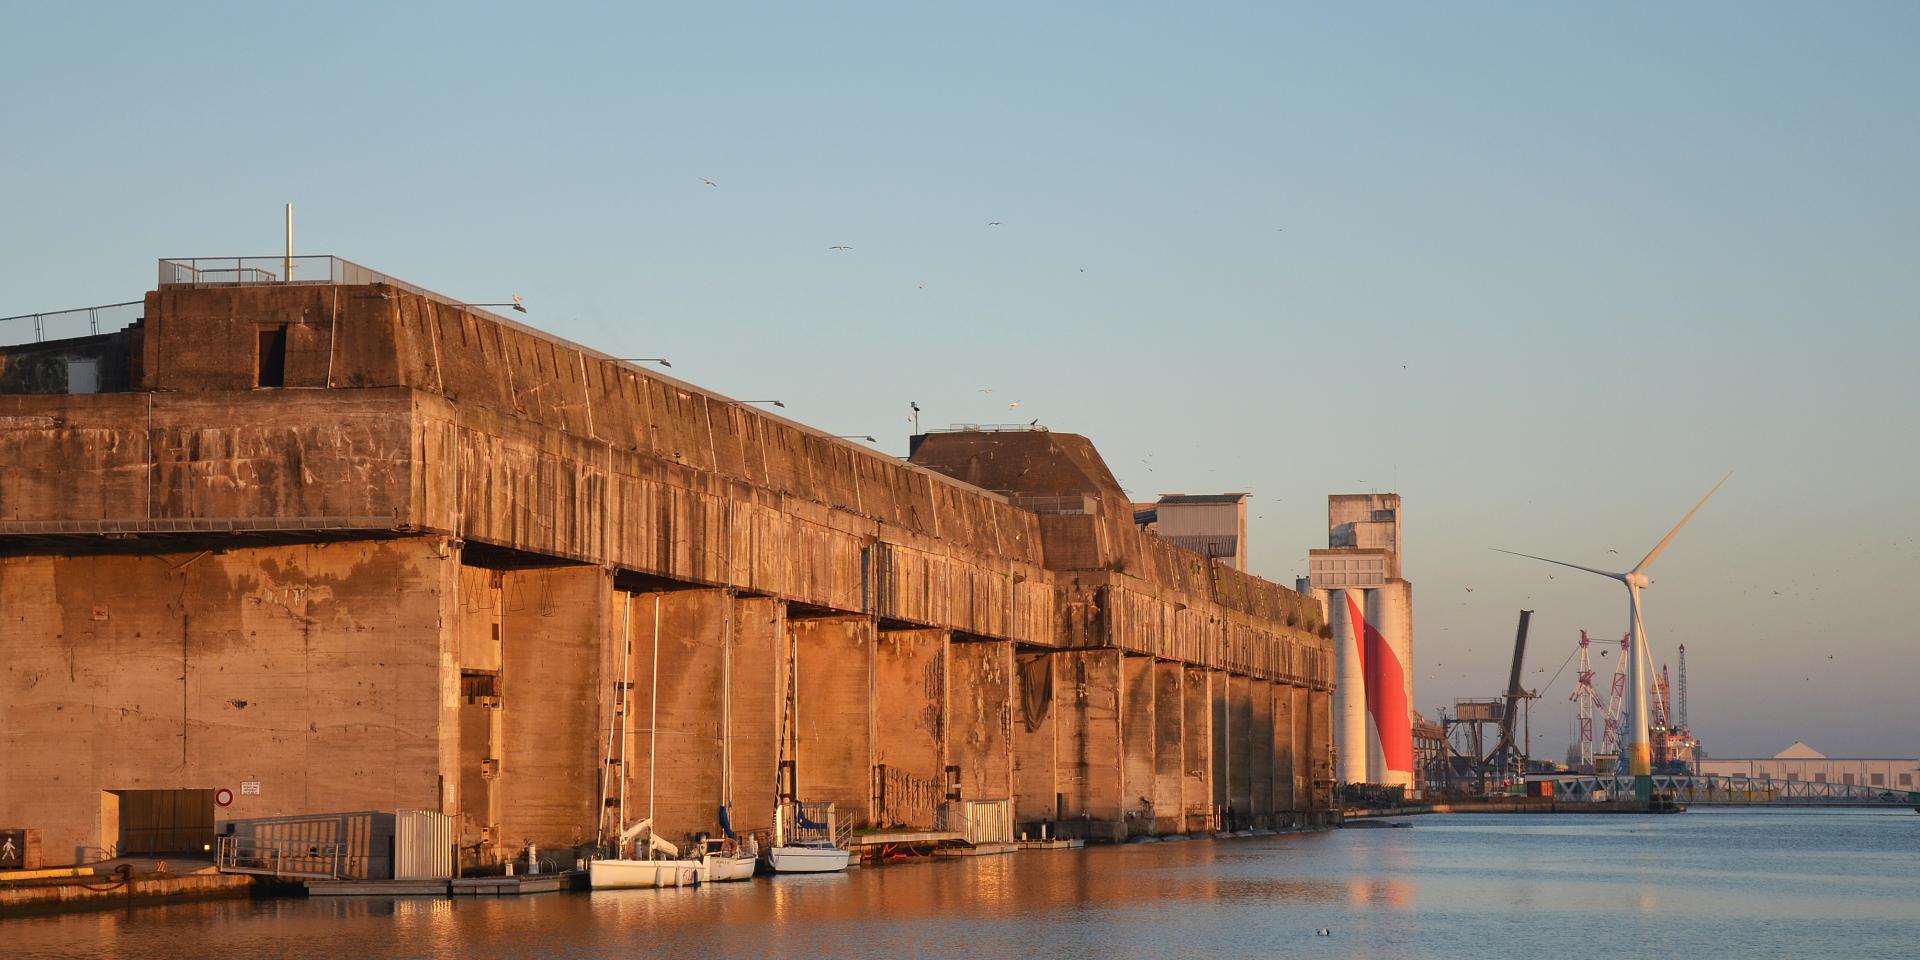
{"points": [[1709, 883]]}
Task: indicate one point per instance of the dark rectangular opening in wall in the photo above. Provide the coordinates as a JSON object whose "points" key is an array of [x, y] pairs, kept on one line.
{"points": [[272, 366], [165, 821]]}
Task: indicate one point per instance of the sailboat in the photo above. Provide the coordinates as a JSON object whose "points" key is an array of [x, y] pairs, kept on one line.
{"points": [[723, 858], [661, 867]]}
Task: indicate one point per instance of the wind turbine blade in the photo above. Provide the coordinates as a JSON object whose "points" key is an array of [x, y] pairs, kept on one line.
{"points": [[1529, 556], [1662, 545]]}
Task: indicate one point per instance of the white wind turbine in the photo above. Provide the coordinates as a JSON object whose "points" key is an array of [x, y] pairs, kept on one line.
{"points": [[1639, 739]]}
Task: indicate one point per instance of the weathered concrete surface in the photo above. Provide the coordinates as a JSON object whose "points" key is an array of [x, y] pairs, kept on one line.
{"points": [[1196, 747], [982, 706], [834, 755], [1036, 740], [1138, 732], [753, 717], [910, 727], [314, 670], [1086, 694], [555, 623], [1239, 749], [676, 737], [458, 648], [1168, 738], [1260, 751]]}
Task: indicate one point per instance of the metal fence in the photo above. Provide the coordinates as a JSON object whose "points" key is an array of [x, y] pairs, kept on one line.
{"points": [[277, 857], [1742, 791], [67, 324], [981, 821], [318, 269]]}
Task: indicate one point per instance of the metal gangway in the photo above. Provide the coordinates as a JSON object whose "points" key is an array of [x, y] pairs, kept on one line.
{"points": [[1720, 789]]}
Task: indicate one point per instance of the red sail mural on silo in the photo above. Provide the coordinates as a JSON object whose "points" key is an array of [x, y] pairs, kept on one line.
{"points": [[1386, 699]]}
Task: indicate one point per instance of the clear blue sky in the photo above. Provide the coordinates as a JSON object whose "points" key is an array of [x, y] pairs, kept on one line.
{"points": [[1552, 268]]}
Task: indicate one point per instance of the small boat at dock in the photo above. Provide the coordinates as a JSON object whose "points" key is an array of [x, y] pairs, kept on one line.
{"points": [[661, 867], [723, 859], [816, 857]]}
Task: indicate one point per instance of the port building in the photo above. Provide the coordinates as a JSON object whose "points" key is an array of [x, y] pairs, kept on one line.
{"points": [[304, 537]]}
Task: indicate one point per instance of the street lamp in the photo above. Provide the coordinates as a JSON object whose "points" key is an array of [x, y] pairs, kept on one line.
{"points": [[856, 436], [659, 360], [518, 304], [774, 402]]}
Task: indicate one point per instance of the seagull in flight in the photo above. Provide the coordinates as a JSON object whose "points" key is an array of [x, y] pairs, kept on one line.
{"points": [[993, 223], [709, 182], [839, 246], [1014, 405]]}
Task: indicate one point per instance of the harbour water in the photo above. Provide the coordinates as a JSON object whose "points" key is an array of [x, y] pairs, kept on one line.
{"points": [[1709, 883]]}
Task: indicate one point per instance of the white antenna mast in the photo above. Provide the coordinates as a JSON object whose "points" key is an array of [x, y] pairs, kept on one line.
{"points": [[289, 273]]}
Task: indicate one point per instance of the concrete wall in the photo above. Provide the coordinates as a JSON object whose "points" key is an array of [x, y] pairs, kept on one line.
{"points": [[1169, 737], [316, 671], [835, 733], [396, 667], [910, 727], [1139, 731], [556, 625], [1036, 780], [982, 710]]}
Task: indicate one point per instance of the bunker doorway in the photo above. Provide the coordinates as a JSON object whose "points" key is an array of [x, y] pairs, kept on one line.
{"points": [[165, 821]]}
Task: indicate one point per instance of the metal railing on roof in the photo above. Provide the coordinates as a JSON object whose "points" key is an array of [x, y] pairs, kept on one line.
{"points": [[989, 428], [67, 324], [317, 269]]}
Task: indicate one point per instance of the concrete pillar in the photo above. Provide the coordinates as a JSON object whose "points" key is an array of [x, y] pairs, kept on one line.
{"points": [[1196, 703], [1320, 743], [982, 709], [1284, 798], [1035, 741], [554, 637], [1240, 749], [833, 673], [1138, 736], [1220, 720], [910, 717], [757, 670], [1086, 695], [1168, 717], [1261, 741], [1303, 755]]}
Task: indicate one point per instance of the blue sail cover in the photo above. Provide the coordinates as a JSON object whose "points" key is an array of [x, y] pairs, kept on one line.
{"points": [[726, 822]]}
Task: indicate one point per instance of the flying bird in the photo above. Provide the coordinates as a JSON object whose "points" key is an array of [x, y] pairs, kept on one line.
{"points": [[1014, 405], [993, 223], [986, 389], [839, 246], [708, 182]]}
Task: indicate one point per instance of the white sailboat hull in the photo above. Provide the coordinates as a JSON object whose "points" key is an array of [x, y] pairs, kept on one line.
{"points": [[808, 859], [720, 867], [631, 874]]}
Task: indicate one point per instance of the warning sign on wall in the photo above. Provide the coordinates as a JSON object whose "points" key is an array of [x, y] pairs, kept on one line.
{"points": [[13, 849], [249, 788]]}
